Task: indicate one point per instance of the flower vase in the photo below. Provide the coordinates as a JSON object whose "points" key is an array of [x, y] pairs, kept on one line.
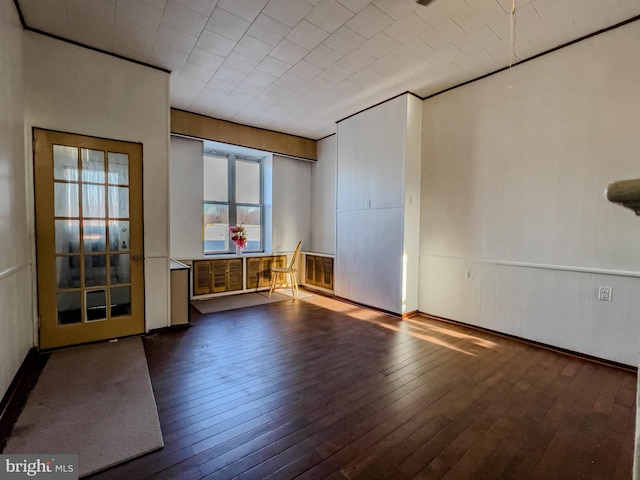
{"points": [[239, 249]]}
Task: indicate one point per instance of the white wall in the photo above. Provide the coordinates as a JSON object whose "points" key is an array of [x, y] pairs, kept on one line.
{"points": [[287, 204], [186, 197], [291, 203], [323, 197], [15, 264], [77, 90], [513, 184]]}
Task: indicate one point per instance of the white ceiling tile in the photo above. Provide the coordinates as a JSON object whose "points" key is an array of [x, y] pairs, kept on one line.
{"points": [[289, 12], [140, 14], [365, 77], [426, 50], [501, 27], [273, 66], [476, 40], [507, 4], [548, 8], [97, 37], [319, 85], [208, 100], [227, 24], [183, 19], [176, 39], [204, 7], [268, 30], [215, 43], [447, 54], [380, 45], [168, 57], [355, 5], [132, 51], [92, 12], [220, 86], [331, 98], [407, 28], [92, 22], [290, 81], [370, 21], [249, 113], [323, 57], [205, 58], [249, 89], [264, 101], [49, 16], [347, 88], [126, 32], [412, 51], [198, 72], [277, 92], [344, 40], [154, 3], [247, 9], [396, 9], [440, 12], [336, 74], [387, 64], [239, 62], [289, 52], [305, 70], [184, 91], [253, 48], [292, 102], [355, 60], [443, 34], [262, 79], [502, 51], [483, 13], [329, 15], [307, 35], [550, 28], [480, 62], [229, 75]]}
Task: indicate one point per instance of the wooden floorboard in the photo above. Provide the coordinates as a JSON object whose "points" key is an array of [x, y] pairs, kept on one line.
{"points": [[319, 389]]}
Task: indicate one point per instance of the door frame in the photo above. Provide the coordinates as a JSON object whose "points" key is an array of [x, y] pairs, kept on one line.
{"points": [[87, 140]]}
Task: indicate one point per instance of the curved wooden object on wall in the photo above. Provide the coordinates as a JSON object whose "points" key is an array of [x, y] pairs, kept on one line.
{"points": [[625, 193]]}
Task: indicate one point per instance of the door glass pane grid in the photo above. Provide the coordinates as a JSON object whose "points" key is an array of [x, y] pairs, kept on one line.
{"points": [[84, 281]]}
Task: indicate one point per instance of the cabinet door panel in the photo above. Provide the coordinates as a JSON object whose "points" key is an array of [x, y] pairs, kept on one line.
{"points": [[254, 276], [309, 272], [327, 270], [219, 276], [234, 274], [202, 278]]}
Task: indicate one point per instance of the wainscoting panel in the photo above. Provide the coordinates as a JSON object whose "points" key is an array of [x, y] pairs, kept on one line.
{"points": [[558, 307]]}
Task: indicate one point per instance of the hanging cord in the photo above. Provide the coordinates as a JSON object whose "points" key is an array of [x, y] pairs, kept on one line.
{"points": [[512, 36]]}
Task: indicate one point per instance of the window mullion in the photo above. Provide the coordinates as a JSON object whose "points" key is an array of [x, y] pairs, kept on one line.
{"points": [[233, 215]]}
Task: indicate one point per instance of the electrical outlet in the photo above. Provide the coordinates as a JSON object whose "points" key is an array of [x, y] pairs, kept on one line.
{"points": [[604, 294], [468, 274]]}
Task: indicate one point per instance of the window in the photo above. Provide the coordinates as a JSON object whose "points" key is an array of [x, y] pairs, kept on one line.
{"points": [[232, 196]]}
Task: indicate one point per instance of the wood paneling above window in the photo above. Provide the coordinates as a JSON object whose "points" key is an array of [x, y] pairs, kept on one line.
{"points": [[200, 126]]}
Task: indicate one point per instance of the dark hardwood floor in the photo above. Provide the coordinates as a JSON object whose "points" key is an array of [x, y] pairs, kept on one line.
{"points": [[317, 389]]}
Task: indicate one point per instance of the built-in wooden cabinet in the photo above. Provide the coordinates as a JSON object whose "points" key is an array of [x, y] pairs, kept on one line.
{"points": [[378, 213], [215, 276], [259, 270], [319, 271]]}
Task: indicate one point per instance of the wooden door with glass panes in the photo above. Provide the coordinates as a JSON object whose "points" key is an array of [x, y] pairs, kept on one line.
{"points": [[88, 202]]}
